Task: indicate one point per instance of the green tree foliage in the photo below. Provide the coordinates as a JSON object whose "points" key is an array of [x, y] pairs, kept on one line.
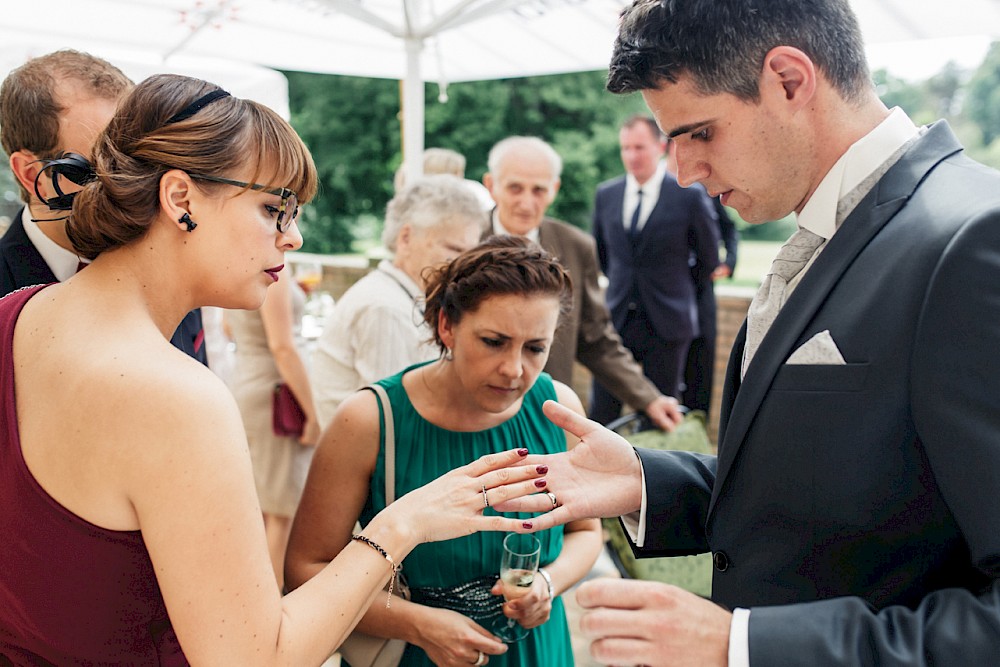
{"points": [[352, 127], [983, 103]]}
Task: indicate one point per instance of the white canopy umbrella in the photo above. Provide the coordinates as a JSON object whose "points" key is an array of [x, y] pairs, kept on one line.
{"points": [[414, 40]]}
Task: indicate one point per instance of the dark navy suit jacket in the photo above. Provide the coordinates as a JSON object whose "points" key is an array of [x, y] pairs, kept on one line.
{"points": [[21, 265], [656, 270]]}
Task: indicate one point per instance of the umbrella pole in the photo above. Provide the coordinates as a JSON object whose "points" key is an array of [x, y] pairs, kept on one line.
{"points": [[413, 112]]}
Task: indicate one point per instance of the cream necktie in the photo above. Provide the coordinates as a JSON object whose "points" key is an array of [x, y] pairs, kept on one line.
{"points": [[791, 259], [795, 255]]}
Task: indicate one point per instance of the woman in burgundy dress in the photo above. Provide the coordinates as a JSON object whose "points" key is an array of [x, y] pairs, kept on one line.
{"points": [[131, 531]]}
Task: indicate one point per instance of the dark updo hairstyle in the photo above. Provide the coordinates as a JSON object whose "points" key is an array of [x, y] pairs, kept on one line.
{"points": [[155, 129], [498, 266]]}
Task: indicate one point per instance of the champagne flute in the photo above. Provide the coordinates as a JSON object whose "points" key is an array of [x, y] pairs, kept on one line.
{"points": [[309, 275], [518, 567]]}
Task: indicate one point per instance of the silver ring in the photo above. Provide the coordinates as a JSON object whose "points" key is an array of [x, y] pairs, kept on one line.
{"points": [[486, 504], [481, 660], [552, 497]]}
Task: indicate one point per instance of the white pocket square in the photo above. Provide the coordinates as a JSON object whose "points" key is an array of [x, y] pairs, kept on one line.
{"points": [[820, 350]]}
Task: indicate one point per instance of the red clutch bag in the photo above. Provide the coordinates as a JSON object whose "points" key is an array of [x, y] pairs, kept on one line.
{"points": [[287, 418]]}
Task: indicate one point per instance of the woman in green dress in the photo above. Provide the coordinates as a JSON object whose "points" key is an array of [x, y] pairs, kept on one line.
{"points": [[493, 311]]}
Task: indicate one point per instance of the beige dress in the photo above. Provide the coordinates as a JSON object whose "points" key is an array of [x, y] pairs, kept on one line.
{"points": [[280, 464]]}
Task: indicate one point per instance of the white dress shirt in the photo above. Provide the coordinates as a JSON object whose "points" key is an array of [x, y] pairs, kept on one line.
{"points": [[500, 230], [867, 154], [650, 195], [63, 263], [818, 216]]}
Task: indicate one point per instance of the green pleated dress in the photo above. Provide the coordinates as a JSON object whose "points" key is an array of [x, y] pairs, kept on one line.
{"points": [[425, 452]]}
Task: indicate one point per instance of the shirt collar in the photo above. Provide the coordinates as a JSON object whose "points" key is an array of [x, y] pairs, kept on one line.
{"points": [[500, 230], [651, 188], [819, 215], [61, 262], [405, 281]]}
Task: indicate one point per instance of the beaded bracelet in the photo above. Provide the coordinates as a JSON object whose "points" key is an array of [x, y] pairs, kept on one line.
{"points": [[385, 554]]}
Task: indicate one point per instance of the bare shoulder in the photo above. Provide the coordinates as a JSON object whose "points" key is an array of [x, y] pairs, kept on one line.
{"points": [[566, 396], [169, 410], [353, 432]]}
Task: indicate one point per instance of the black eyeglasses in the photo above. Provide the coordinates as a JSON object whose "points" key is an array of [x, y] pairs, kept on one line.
{"points": [[289, 200]]}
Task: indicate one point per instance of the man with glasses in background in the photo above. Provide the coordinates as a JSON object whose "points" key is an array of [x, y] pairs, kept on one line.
{"points": [[52, 105]]}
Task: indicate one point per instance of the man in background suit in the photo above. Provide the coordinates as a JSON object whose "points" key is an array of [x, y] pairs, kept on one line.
{"points": [[649, 232], [700, 369], [851, 511], [523, 179], [53, 104]]}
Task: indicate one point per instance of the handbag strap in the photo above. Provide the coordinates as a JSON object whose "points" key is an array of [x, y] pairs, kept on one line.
{"points": [[390, 442]]}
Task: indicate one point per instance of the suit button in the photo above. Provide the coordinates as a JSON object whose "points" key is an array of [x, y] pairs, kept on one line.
{"points": [[632, 305], [721, 561]]}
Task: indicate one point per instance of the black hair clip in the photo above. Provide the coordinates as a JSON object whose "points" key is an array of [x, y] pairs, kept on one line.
{"points": [[76, 168], [196, 106]]}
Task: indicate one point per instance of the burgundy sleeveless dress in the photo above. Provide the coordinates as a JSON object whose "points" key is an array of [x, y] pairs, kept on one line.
{"points": [[71, 593]]}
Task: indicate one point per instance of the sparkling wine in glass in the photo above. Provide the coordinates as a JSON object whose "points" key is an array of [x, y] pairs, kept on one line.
{"points": [[518, 568]]}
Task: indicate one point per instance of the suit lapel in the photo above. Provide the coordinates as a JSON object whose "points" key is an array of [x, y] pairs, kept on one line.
{"points": [[616, 203], [616, 216], [870, 216]]}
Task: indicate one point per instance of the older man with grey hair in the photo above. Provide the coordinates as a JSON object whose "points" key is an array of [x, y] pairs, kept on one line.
{"points": [[523, 179], [377, 328]]}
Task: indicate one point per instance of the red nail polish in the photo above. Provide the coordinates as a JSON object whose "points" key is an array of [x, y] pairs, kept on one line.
{"points": [[526, 524], [540, 483], [541, 470], [523, 451]]}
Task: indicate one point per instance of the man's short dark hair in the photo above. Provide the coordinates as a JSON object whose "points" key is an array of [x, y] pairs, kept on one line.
{"points": [[721, 44]]}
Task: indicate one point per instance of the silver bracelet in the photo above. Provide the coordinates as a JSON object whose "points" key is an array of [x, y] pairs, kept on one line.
{"points": [[548, 580]]}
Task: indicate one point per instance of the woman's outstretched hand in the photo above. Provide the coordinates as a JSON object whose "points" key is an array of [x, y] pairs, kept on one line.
{"points": [[600, 477], [452, 505]]}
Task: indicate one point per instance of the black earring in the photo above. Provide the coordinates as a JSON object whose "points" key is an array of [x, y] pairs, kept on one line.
{"points": [[186, 219]]}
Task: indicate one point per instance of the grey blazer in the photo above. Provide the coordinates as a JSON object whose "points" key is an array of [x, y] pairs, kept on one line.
{"points": [[854, 508]]}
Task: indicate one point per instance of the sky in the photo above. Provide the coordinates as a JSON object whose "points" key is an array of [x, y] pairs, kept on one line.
{"points": [[919, 60]]}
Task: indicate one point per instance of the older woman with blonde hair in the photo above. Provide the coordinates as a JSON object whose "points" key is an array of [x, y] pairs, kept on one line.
{"points": [[377, 326]]}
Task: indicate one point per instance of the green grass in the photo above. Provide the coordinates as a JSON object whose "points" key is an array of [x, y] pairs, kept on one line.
{"points": [[754, 260]]}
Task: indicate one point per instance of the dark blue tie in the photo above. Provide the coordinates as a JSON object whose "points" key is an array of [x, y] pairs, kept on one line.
{"points": [[633, 228]]}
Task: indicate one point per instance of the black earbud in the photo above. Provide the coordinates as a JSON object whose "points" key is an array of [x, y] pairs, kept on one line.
{"points": [[186, 219]]}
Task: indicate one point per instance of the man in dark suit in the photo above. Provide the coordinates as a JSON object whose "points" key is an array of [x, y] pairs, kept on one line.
{"points": [[851, 510], [523, 179], [648, 230], [699, 372], [53, 104]]}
